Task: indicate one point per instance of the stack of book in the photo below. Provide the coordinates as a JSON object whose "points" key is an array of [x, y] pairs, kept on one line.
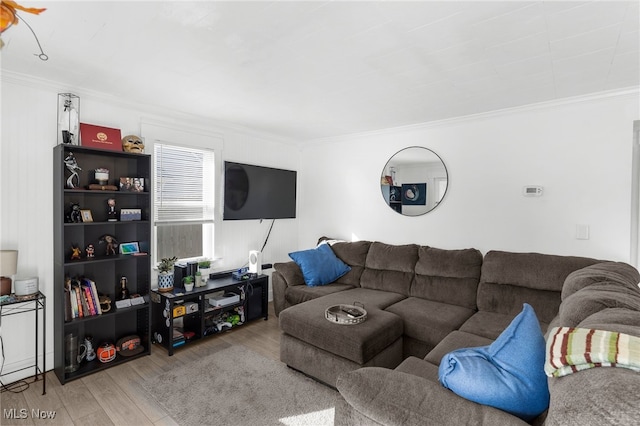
{"points": [[81, 299], [178, 338]]}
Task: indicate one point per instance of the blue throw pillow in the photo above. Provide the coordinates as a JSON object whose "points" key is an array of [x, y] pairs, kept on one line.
{"points": [[320, 265], [508, 374]]}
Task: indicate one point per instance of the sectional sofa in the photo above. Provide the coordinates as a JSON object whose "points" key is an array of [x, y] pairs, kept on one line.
{"points": [[423, 303]]}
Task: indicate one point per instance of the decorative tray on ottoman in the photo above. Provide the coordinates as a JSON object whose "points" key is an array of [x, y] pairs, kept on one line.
{"points": [[346, 314]]}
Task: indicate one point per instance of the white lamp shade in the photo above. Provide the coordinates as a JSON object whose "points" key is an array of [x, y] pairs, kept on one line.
{"points": [[8, 262]]}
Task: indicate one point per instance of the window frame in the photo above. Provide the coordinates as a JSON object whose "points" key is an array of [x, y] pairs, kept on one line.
{"points": [[155, 132]]}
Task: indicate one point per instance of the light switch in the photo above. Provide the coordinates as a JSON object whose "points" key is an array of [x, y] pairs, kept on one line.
{"points": [[582, 232]]}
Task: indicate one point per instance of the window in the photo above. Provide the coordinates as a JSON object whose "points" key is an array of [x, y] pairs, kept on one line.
{"points": [[184, 203], [441, 188]]}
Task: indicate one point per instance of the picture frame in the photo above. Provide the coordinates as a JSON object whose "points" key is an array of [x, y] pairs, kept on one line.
{"points": [[86, 216], [414, 194], [129, 248], [127, 215], [132, 184]]}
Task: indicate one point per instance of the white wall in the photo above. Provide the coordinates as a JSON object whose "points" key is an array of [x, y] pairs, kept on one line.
{"points": [[29, 129], [579, 151]]}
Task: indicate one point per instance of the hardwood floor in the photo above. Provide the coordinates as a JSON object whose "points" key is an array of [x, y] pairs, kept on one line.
{"points": [[113, 396]]}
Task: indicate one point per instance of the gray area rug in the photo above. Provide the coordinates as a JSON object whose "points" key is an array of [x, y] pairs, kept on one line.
{"points": [[236, 386]]}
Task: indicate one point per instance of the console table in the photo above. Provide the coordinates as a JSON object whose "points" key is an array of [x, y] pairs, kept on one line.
{"points": [[180, 317], [34, 303]]}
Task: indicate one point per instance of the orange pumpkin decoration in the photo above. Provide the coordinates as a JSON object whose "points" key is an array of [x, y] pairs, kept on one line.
{"points": [[8, 13]]}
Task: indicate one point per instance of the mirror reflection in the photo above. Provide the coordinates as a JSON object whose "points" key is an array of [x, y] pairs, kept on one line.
{"points": [[414, 181]]}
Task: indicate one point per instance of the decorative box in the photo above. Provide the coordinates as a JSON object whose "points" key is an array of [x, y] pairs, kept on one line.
{"points": [[191, 307], [179, 311], [100, 137]]}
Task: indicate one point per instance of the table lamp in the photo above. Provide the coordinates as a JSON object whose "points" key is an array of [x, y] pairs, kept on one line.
{"points": [[8, 268]]}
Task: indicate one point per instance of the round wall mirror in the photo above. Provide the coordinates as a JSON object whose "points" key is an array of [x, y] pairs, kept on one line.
{"points": [[414, 181]]}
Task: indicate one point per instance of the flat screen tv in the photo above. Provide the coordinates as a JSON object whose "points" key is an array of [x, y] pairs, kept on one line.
{"points": [[256, 192]]}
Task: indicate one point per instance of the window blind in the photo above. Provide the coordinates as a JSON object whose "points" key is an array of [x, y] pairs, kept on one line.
{"points": [[184, 185]]}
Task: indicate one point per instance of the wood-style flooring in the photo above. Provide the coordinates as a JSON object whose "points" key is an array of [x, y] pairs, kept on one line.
{"points": [[111, 397]]}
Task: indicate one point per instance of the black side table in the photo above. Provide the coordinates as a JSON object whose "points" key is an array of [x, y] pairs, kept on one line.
{"points": [[21, 305]]}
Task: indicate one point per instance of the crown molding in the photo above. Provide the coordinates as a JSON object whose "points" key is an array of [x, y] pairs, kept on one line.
{"points": [[206, 124], [556, 103], [148, 112]]}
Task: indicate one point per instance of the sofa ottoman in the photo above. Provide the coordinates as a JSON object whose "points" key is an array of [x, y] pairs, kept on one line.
{"points": [[322, 349]]}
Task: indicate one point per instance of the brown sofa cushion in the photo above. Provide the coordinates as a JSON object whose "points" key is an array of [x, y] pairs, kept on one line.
{"points": [[620, 320], [491, 324], [391, 397], [510, 279], [530, 270], [301, 293], [358, 343], [597, 396], [291, 273], [508, 299], [597, 297], [429, 321], [353, 254], [448, 276], [618, 272], [455, 340], [390, 267]]}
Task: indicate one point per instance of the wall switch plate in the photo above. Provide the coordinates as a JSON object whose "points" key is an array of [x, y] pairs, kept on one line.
{"points": [[582, 232]]}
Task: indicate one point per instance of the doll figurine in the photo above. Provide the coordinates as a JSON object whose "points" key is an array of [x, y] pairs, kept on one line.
{"points": [[112, 214], [75, 252], [111, 242]]}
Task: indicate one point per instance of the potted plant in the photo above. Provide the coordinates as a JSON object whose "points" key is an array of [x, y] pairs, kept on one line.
{"points": [[165, 273], [199, 281], [188, 283], [204, 266]]}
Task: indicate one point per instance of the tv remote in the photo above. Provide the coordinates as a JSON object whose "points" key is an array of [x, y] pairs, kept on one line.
{"points": [[352, 312]]}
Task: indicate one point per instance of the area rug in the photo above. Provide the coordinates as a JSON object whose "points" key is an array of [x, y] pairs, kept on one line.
{"points": [[236, 386]]}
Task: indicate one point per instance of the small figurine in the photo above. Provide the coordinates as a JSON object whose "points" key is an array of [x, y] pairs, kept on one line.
{"points": [[88, 343], [68, 123], [75, 252], [74, 215], [90, 251], [72, 166], [124, 291], [111, 242], [105, 303], [132, 143], [112, 214]]}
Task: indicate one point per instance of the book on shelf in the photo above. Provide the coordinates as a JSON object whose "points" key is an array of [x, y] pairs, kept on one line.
{"points": [[83, 300], [96, 296], [68, 313], [78, 305], [91, 294], [89, 299]]}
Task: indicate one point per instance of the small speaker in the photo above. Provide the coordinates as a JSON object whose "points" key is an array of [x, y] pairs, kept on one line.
{"points": [[255, 262], [26, 286]]}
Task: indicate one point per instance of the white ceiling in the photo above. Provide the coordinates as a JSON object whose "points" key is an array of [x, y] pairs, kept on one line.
{"points": [[307, 70]]}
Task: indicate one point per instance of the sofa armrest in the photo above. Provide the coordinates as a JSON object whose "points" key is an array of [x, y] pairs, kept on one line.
{"points": [[284, 275], [391, 397], [290, 272]]}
